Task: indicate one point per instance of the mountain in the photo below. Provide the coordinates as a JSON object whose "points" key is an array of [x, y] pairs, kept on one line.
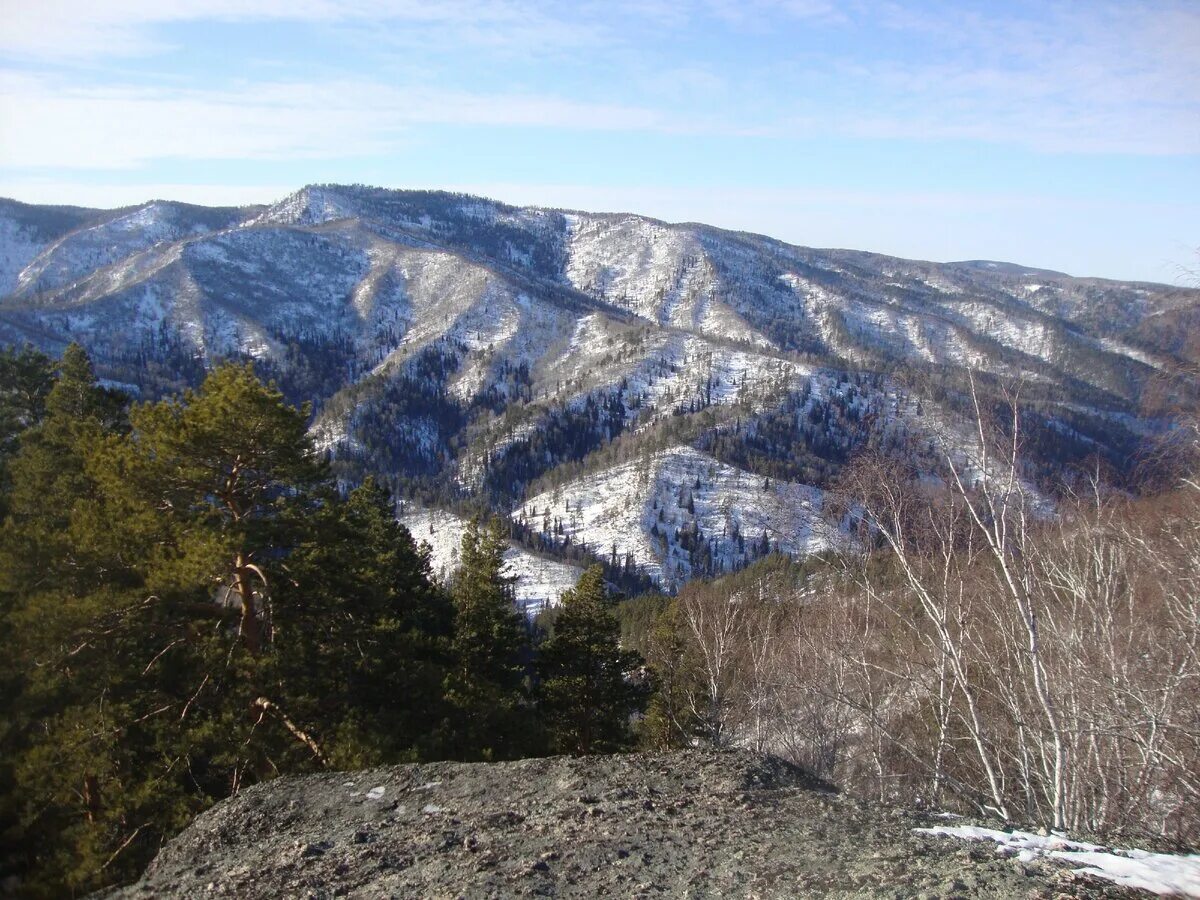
{"points": [[674, 400]]}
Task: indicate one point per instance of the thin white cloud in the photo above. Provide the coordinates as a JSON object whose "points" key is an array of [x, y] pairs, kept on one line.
{"points": [[1105, 77], [71, 127], [758, 13], [1095, 78], [81, 29]]}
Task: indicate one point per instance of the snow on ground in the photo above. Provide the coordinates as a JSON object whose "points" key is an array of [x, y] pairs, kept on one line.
{"points": [[80, 253], [941, 285], [18, 247], [539, 582], [1008, 328], [957, 441], [717, 318], [333, 435], [139, 267], [639, 508], [1159, 873], [688, 368], [1132, 352], [659, 375], [661, 272], [924, 337], [817, 304], [648, 268], [311, 205], [504, 325], [432, 295], [439, 292]]}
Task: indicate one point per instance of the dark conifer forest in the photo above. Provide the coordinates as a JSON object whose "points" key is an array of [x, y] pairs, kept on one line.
{"points": [[190, 605]]}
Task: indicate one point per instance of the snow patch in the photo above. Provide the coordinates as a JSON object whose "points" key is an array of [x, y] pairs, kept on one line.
{"points": [[539, 582], [1159, 873], [639, 509]]}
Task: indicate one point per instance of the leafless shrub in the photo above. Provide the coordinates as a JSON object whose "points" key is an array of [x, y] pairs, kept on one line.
{"points": [[988, 654]]}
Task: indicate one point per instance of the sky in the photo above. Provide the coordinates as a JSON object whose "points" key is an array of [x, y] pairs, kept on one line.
{"points": [[1063, 135]]}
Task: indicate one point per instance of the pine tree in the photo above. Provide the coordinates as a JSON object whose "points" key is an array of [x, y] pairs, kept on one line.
{"points": [[49, 472], [587, 697], [140, 692], [26, 376], [363, 634], [488, 685], [69, 600], [231, 464], [670, 721]]}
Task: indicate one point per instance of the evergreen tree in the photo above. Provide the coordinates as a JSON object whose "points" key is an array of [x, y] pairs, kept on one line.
{"points": [[363, 634], [231, 464], [67, 599], [670, 720], [47, 475], [488, 685], [587, 697], [26, 376], [23, 389], [189, 608]]}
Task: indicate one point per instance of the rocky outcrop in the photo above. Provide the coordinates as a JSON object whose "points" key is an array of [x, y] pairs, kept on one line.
{"points": [[687, 824]]}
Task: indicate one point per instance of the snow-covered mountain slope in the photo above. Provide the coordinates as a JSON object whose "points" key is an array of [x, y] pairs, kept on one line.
{"points": [[26, 231], [679, 512], [465, 348], [538, 582], [84, 250]]}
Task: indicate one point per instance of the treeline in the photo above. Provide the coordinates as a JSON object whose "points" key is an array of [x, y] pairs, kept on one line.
{"points": [[190, 605], [986, 654]]}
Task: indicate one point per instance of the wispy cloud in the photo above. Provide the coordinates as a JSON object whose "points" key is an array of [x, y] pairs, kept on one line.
{"points": [[129, 98], [50, 125], [1059, 77], [80, 29], [1104, 77], [760, 13]]}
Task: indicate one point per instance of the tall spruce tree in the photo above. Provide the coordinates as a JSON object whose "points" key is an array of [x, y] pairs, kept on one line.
{"points": [[670, 721], [587, 696], [489, 683], [47, 475], [26, 376]]}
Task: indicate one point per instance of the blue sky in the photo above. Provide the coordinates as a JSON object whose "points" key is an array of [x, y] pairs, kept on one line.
{"points": [[1064, 135]]}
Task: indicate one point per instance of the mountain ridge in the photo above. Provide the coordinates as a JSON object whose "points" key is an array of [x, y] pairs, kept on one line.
{"points": [[1006, 265], [470, 351]]}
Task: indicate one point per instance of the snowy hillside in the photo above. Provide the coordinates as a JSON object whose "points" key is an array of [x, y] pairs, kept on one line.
{"points": [[677, 391], [669, 509], [26, 231], [539, 582]]}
